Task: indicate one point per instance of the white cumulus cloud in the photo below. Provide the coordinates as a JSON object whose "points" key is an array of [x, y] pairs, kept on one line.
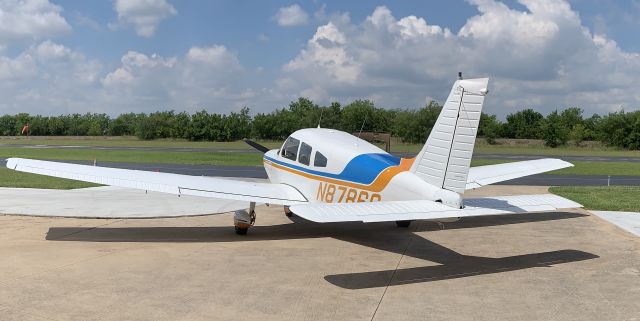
{"points": [[144, 15], [48, 78], [22, 20], [205, 77], [292, 15], [543, 58]]}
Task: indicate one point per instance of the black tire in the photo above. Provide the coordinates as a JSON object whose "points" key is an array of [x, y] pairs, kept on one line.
{"points": [[241, 231], [287, 211], [403, 223]]}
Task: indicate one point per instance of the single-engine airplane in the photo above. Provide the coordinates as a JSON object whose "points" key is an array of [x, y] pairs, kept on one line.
{"points": [[326, 175]]}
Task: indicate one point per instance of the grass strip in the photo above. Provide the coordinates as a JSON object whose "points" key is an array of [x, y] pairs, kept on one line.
{"points": [[602, 198], [134, 156], [529, 148], [10, 178]]}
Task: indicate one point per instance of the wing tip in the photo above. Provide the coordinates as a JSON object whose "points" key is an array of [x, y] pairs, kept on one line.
{"points": [[559, 161], [12, 162]]}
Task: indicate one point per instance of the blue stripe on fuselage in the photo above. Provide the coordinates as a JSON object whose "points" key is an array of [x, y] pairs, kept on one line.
{"points": [[362, 169]]}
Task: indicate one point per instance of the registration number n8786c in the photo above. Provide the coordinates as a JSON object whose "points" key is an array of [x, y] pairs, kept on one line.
{"points": [[331, 193]]}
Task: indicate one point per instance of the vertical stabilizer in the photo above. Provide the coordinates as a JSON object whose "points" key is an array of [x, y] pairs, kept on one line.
{"points": [[445, 159]]}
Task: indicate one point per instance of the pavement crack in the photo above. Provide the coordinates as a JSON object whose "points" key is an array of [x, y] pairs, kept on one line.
{"points": [[84, 230], [393, 274]]}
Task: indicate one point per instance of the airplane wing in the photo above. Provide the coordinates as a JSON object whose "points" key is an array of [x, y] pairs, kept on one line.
{"points": [[429, 210], [164, 182], [484, 175]]}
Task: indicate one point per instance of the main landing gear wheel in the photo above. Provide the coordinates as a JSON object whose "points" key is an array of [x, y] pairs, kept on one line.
{"points": [[287, 211], [241, 230], [403, 223], [243, 219]]}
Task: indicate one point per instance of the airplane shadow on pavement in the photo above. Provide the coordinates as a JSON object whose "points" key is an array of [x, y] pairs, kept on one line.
{"points": [[382, 236]]}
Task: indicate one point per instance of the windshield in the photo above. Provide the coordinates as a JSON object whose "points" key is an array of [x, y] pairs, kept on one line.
{"points": [[290, 148]]}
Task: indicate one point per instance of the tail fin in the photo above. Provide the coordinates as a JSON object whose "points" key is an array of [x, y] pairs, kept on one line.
{"points": [[445, 159]]}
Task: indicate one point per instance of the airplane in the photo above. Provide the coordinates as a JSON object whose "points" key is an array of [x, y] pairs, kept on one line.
{"points": [[326, 175]]}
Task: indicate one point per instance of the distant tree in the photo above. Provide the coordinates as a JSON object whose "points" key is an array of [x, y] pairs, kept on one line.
{"points": [[57, 126], [98, 124], [571, 117], [578, 134], [236, 125], [414, 126], [125, 124], [21, 119], [330, 116], [305, 113], [554, 132], [38, 125], [592, 127], [621, 129], [358, 115], [146, 128], [8, 125], [489, 128], [524, 124]]}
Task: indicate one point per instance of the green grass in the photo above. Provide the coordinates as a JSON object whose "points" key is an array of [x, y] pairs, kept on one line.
{"points": [[505, 146], [255, 159], [202, 158], [9, 178], [603, 198], [559, 151]]}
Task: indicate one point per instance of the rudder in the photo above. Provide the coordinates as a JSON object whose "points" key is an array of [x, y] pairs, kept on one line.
{"points": [[445, 158]]}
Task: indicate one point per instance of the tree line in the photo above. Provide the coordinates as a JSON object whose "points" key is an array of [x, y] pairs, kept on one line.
{"points": [[560, 127]]}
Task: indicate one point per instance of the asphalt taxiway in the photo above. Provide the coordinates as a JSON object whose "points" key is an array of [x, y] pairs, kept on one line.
{"points": [[541, 266]]}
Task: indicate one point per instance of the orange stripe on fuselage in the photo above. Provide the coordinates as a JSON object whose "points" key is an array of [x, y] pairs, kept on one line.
{"points": [[377, 185]]}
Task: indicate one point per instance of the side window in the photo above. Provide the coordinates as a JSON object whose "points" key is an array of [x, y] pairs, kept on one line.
{"points": [[290, 148], [305, 154], [319, 160]]}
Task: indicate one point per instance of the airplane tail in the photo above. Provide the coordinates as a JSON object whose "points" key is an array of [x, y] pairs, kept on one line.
{"points": [[445, 159]]}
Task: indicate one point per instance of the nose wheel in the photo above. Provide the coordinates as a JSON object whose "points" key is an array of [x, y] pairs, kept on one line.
{"points": [[244, 219]]}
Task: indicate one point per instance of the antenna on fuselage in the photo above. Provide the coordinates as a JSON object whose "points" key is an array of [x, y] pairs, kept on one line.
{"points": [[319, 120], [361, 127]]}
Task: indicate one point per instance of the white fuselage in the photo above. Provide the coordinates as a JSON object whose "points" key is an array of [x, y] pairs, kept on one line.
{"points": [[331, 166]]}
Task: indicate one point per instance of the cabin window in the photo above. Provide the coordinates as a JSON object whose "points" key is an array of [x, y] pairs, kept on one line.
{"points": [[304, 157], [290, 148], [319, 160]]}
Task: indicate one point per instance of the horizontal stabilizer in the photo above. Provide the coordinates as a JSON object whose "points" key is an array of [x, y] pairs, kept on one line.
{"points": [[484, 175], [429, 210], [164, 182]]}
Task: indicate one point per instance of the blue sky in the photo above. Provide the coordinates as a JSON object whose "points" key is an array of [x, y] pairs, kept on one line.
{"points": [[146, 55]]}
